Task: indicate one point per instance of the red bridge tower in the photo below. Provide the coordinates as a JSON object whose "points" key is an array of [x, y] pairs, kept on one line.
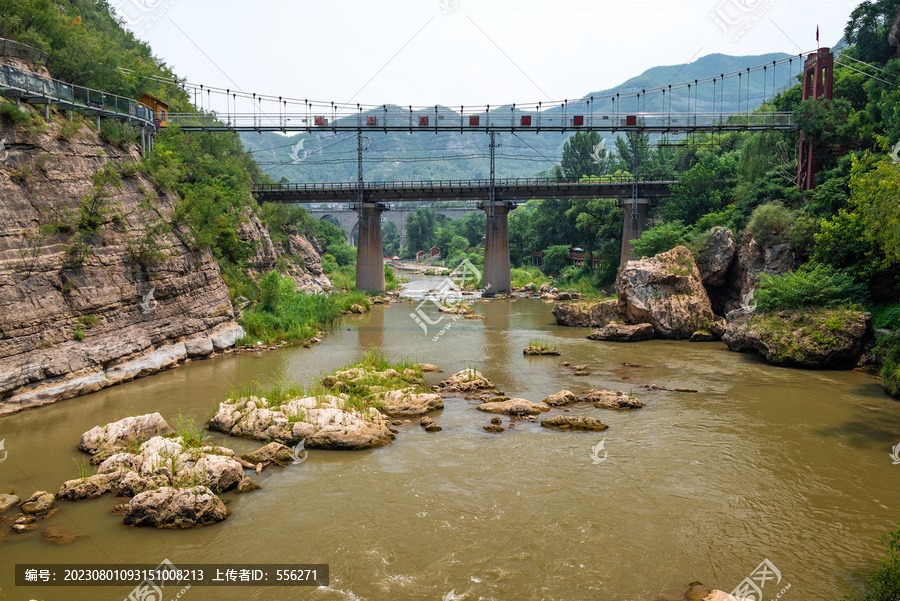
{"points": [[818, 82]]}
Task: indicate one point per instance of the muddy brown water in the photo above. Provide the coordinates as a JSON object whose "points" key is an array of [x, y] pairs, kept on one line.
{"points": [[761, 463]]}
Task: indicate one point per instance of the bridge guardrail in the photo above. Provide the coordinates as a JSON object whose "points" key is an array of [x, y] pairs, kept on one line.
{"points": [[452, 184], [72, 96], [14, 49], [400, 120]]}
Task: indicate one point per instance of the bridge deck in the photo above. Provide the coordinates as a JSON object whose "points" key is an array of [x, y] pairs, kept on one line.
{"points": [[400, 121], [479, 189]]}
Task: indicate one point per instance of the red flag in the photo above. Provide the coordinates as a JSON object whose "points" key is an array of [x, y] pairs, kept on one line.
{"points": [[817, 34]]}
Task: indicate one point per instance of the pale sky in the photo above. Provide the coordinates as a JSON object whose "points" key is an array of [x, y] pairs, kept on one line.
{"points": [[452, 52]]}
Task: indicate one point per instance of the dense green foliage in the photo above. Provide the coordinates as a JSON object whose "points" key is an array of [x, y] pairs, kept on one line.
{"points": [[661, 238], [284, 315], [813, 285], [88, 47]]}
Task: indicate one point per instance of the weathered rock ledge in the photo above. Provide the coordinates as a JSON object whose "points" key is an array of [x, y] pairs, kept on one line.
{"points": [[128, 368], [810, 338]]}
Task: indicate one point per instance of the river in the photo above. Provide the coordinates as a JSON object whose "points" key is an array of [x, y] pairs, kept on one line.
{"points": [[761, 463]]}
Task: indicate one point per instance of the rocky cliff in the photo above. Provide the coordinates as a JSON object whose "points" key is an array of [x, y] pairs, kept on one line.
{"points": [[90, 294]]}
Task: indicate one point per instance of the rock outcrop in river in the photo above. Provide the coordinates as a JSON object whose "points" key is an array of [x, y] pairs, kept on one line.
{"points": [[811, 338], [173, 482], [328, 421], [664, 291], [350, 414]]}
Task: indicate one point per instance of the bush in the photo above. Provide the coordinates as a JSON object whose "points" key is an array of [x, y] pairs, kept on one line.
{"points": [[285, 314], [770, 223], [660, 238], [390, 279], [14, 114], [521, 276], [886, 316], [884, 584], [890, 369], [118, 134], [813, 285], [556, 259]]}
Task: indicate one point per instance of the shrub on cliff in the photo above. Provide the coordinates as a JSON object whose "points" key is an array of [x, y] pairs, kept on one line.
{"points": [[661, 238], [770, 223], [813, 285]]}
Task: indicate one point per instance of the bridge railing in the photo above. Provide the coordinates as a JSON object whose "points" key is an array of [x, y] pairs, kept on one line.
{"points": [[455, 184], [30, 84], [14, 49], [394, 120]]}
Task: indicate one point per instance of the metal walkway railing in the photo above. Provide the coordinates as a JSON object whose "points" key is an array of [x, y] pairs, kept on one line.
{"points": [[35, 88], [14, 49]]}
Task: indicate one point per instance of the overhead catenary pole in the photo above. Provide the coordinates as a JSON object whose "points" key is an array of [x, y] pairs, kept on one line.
{"points": [[359, 161]]}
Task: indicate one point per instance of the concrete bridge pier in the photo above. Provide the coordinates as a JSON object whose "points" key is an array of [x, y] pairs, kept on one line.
{"points": [[369, 254], [635, 224], [496, 278]]}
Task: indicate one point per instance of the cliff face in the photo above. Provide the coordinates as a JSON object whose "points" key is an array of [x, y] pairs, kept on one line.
{"points": [[72, 320]]}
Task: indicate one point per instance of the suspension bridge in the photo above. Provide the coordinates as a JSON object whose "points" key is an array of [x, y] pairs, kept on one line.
{"points": [[675, 110], [693, 107]]}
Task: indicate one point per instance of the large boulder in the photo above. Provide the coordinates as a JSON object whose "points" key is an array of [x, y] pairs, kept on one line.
{"points": [[274, 452], [467, 380], [618, 332], [587, 314], [737, 323], [812, 338], [714, 260], [611, 399], [407, 402], [7, 502], [175, 508], [129, 429], [217, 472], [561, 398], [301, 247], [89, 488], [514, 407], [751, 261], [327, 422], [39, 503], [667, 292], [573, 422]]}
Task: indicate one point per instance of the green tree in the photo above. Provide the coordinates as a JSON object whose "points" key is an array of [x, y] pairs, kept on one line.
{"points": [[583, 155], [390, 238], [827, 124], [333, 241], [704, 188], [661, 238], [556, 258], [869, 28], [599, 225], [874, 191], [420, 230]]}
